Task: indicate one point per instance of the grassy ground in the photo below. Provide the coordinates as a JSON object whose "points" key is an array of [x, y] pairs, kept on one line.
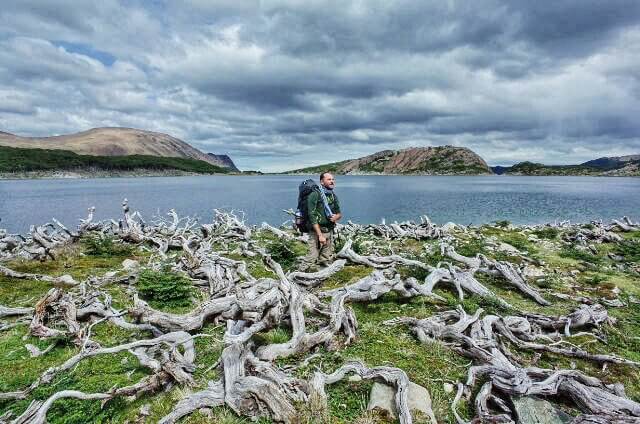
{"points": [[431, 366]]}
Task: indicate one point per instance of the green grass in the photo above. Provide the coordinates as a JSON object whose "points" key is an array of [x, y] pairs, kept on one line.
{"points": [[105, 246], [549, 233], [430, 365], [165, 289], [580, 255]]}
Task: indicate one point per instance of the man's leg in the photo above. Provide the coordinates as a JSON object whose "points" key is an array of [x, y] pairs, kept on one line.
{"points": [[314, 251], [327, 252]]}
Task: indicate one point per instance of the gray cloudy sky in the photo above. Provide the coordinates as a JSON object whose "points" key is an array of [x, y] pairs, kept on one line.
{"points": [[283, 84]]}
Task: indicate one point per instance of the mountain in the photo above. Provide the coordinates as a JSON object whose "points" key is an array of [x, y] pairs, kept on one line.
{"points": [[225, 161], [611, 166], [613, 162], [16, 162], [440, 160], [111, 141]]}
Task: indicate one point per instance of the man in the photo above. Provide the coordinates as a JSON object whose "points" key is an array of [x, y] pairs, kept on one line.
{"points": [[323, 211]]}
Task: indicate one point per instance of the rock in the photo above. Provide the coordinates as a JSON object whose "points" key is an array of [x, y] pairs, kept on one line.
{"points": [[383, 397], [449, 227], [615, 303], [130, 264], [531, 271], [145, 410], [354, 378], [448, 387], [206, 412], [532, 410], [507, 248], [67, 279]]}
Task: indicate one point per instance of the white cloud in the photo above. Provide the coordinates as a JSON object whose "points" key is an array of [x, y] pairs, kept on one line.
{"points": [[281, 82]]}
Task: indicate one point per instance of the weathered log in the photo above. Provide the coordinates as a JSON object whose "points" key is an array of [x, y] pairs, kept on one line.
{"points": [[66, 280], [36, 413], [378, 261], [515, 278], [391, 376]]}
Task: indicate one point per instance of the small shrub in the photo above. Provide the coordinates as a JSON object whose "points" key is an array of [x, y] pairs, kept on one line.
{"points": [[165, 287], [579, 255], [105, 246], [503, 223], [629, 250], [595, 280], [519, 241], [282, 253], [357, 245], [549, 233], [472, 248]]}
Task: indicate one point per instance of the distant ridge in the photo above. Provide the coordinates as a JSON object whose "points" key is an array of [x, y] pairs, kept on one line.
{"points": [[226, 161], [115, 141], [605, 166], [439, 160]]}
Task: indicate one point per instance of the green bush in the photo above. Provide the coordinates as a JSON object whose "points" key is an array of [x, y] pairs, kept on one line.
{"points": [[503, 223], [165, 287], [629, 250], [580, 255], [282, 253], [105, 246], [517, 240], [549, 233]]}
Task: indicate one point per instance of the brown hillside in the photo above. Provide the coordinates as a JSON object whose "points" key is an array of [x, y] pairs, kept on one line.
{"points": [[440, 160], [113, 142]]}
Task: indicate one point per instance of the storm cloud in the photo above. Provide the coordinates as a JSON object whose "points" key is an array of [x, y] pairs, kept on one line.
{"points": [[282, 84]]}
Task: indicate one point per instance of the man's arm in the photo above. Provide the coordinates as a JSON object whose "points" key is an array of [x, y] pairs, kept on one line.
{"points": [[312, 204], [337, 214]]}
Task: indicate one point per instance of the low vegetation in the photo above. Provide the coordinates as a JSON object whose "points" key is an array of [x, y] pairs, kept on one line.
{"points": [[17, 160], [571, 268]]}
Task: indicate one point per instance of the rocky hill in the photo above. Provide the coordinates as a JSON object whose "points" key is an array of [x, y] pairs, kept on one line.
{"points": [[604, 166], [225, 161], [440, 160], [114, 142]]}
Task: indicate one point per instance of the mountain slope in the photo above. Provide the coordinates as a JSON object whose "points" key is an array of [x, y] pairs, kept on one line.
{"points": [[18, 160], [611, 166], [225, 160], [113, 142], [612, 162], [440, 160]]}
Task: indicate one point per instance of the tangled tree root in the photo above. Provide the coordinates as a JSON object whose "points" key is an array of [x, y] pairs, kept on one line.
{"points": [[250, 382]]}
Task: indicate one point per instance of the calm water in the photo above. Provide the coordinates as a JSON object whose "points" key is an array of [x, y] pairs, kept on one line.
{"points": [[365, 199]]}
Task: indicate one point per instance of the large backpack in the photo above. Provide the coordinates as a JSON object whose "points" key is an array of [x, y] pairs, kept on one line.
{"points": [[302, 214]]}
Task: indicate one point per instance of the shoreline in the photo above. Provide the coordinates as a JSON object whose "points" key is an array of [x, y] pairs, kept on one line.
{"points": [[80, 175]]}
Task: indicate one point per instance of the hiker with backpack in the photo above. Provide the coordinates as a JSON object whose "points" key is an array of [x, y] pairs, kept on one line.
{"points": [[319, 211]]}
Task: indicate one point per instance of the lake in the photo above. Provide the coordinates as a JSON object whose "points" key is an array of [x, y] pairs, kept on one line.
{"points": [[364, 199]]}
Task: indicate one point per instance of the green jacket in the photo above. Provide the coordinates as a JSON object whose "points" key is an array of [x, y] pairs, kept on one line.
{"points": [[316, 210]]}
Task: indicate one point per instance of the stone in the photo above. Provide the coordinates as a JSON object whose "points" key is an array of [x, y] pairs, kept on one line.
{"points": [[67, 279], [449, 227], [145, 410], [130, 264], [383, 397], [448, 388], [531, 271], [507, 248], [533, 410], [354, 378]]}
